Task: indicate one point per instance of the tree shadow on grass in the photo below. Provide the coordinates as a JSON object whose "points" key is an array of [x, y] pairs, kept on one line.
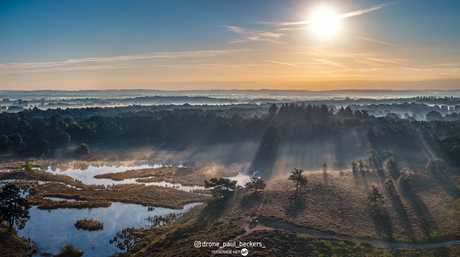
{"points": [[397, 204], [443, 180], [296, 206], [382, 221], [361, 179], [213, 211], [250, 200], [421, 210]]}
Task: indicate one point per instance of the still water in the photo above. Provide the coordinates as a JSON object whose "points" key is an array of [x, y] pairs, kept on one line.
{"points": [[86, 175], [55, 228]]}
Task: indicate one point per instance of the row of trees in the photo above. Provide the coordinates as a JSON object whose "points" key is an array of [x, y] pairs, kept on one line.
{"points": [[41, 131]]}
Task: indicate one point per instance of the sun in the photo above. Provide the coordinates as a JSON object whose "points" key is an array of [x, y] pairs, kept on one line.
{"points": [[324, 22]]}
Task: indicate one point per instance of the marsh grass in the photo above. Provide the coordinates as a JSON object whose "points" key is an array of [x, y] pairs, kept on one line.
{"points": [[89, 224]]}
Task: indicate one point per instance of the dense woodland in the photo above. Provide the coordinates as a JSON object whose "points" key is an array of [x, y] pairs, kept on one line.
{"points": [[352, 133]]}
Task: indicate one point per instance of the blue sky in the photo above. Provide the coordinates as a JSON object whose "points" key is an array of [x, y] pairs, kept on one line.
{"points": [[227, 44]]}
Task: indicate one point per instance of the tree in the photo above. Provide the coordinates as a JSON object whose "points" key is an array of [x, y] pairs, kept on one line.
{"points": [[354, 167], [256, 183], [391, 165], [373, 159], [221, 187], [299, 180], [390, 185], [61, 139], [4, 142], [433, 115], [404, 179], [28, 166], [374, 196], [16, 143], [82, 149], [43, 148], [13, 208], [325, 171], [361, 165], [348, 112], [435, 165], [271, 137], [273, 110]]}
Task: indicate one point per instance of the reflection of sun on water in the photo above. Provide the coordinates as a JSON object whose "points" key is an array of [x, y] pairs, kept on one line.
{"points": [[324, 22]]}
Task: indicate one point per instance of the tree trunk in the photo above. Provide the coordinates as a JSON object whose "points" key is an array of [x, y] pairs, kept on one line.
{"points": [[10, 228]]}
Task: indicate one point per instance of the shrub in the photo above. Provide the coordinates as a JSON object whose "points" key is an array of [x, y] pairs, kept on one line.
{"points": [[433, 234], [374, 196], [28, 165], [89, 224], [436, 166], [82, 149], [404, 179], [69, 251], [390, 185], [166, 220]]}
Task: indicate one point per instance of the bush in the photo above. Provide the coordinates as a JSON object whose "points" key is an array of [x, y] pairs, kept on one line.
{"points": [[89, 224], [390, 185], [82, 149], [28, 165], [166, 220], [404, 179], [436, 166], [69, 251]]}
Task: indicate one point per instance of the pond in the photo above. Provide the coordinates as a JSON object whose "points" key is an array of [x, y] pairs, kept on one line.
{"points": [[55, 228], [86, 172]]}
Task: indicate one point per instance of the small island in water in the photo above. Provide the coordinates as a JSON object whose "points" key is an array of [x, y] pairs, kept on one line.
{"points": [[89, 224]]}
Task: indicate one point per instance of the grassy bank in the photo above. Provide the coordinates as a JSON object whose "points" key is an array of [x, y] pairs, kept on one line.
{"points": [[11, 244], [184, 176], [129, 193]]}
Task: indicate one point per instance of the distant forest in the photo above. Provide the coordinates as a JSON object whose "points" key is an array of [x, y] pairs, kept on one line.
{"points": [[349, 133]]}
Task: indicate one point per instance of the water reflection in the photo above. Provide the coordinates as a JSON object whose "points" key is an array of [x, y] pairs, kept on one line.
{"points": [[92, 169], [86, 175], [55, 228]]}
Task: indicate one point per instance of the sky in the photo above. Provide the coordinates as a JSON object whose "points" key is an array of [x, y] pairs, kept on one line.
{"points": [[229, 44]]}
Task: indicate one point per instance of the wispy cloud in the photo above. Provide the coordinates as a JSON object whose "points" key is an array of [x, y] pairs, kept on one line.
{"points": [[115, 62], [283, 63], [340, 16], [382, 60], [328, 62], [380, 42], [449, 64], [356, 13], [255, 35]]}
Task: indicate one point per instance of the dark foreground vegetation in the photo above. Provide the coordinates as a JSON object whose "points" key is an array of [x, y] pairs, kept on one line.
{"points": [[11, 244]]}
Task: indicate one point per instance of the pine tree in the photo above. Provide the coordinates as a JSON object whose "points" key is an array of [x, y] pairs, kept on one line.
{"points": [[13, 208]]}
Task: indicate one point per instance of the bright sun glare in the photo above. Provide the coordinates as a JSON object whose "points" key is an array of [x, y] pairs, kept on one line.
{"points": [[324, 22]]}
